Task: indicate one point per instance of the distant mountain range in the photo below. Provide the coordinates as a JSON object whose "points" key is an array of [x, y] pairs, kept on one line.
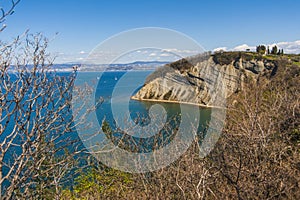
{"points": [[137, 65], [67, 67]]}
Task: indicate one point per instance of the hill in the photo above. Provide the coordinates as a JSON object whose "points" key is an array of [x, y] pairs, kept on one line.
{"points": [[199, 79]]}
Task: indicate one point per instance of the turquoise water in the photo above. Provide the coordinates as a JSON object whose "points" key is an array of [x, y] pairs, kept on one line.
{"points": [[115, 88]]}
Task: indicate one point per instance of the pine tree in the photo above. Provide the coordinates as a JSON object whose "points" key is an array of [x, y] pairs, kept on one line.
{"points": [[274, 50], [279, 52]]}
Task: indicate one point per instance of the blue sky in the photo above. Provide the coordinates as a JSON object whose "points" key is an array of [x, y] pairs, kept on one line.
{"points": [[82, 24]]}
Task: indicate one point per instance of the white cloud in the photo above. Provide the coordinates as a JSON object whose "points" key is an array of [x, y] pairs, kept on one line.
{"points": [[243, 47], [169, 50], [152, 54], [220, 49], [165, 54], [288, 47], [174, 50]]}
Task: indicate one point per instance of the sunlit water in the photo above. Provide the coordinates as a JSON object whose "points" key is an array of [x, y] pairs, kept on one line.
{"points": [[116, 101]]}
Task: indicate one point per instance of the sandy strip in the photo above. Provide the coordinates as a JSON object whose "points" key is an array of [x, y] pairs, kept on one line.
{"points": [[177, 102]]}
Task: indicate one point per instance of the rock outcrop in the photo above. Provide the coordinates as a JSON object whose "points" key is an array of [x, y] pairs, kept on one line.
{"points": [[202, 78]]}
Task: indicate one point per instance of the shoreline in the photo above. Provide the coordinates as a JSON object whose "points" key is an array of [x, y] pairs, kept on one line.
{"points": [[177, 102]]}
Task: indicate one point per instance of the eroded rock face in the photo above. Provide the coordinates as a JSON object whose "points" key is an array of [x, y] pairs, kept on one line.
{"points": [[199, 82]]}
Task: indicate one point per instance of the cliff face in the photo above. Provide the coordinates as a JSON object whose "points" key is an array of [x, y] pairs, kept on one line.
{"points": [[200, 79]]}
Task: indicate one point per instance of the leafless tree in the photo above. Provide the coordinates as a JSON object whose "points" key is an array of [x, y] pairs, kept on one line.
{"points": [[257, 156], [37, 135], [7, 12]]}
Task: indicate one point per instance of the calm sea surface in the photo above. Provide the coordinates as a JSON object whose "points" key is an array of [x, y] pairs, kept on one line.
{"points": [[115, 88]]}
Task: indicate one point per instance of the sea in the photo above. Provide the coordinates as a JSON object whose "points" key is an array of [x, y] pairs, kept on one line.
{"points": [[120, 112], [115, 88]]}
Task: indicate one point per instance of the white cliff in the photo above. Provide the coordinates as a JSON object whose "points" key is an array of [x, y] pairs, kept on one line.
{"points": [[197, 79]]}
